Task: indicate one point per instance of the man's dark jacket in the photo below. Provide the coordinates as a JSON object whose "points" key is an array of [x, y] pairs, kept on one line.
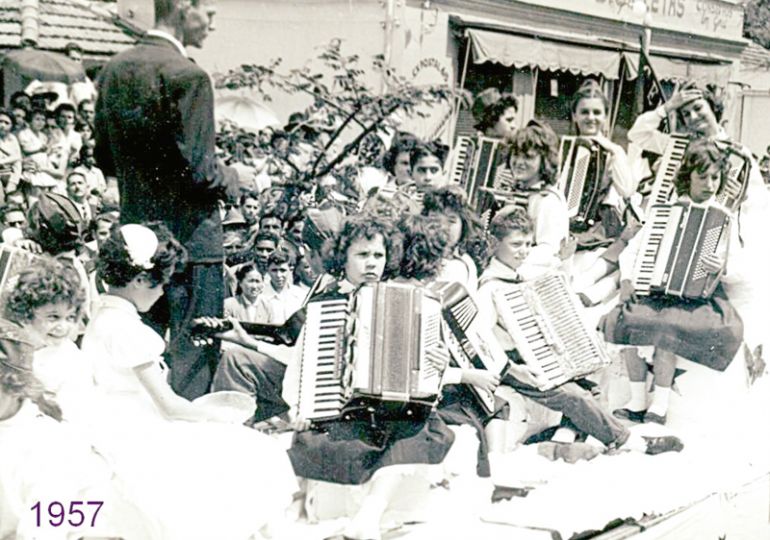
{"points": [[155, 132]]}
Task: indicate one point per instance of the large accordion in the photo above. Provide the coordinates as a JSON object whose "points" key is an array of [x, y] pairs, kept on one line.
{"points": [[733, 188], [582, 168], [367, 356], [468, 346], [674, 242], [477, 163], [543, 317]]}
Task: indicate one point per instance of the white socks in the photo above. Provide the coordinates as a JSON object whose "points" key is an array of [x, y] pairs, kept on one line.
{"points": [[659, 403], [638, 400]]}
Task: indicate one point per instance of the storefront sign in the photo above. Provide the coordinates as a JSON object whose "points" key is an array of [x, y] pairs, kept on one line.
{"points": [[713, 18]]}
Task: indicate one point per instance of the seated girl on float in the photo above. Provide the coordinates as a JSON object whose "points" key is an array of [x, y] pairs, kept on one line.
{"points": [[533, 161], [707, 331], [159, 443], [467, 248], [600, 242], [381, 453], [44, 458]]}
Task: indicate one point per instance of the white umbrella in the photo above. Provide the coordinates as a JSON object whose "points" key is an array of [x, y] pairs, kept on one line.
{"points": [[245, 112]]}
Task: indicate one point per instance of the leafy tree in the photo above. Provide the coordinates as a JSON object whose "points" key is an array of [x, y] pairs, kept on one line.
{"points": [[756, 23], [340, 130]]}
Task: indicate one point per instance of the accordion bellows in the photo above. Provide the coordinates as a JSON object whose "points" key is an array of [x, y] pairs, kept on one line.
{"points": [[674, 242], [369, 354], [543, 317]]}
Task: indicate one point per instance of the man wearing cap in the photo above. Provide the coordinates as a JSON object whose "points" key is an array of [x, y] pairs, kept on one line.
{"points": [[155, 132]]}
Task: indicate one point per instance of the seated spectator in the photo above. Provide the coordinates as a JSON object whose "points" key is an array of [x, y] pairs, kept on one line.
{"points": [[64, 142], [265, 244], [10, 153], [20, 115], [14, 216], [427, 165], [249, 209], [77, 191], [86, 165], [246, 306], [280, 293], [271, 223], [396, 159]]}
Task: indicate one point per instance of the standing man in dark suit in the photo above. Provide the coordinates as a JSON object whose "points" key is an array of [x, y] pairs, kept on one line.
{"points": [[155, 132]]}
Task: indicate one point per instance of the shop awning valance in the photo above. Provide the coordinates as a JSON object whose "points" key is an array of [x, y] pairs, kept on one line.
{"points": [[677, 69], [520, 51]]}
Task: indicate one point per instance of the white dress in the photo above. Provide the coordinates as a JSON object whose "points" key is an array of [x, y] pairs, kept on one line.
{"points": [[200, 480]]}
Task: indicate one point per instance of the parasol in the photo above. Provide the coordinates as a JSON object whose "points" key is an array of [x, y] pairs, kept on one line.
{"points": [[43, 65], [246, 113]]}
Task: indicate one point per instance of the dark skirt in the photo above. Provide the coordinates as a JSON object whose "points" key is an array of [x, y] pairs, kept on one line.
{"points": [[707, 332], [459, 407], [350, 452]]}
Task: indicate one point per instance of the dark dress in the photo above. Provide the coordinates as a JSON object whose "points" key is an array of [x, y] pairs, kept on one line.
{"points": [[351, 451], [459, 406], [708, 332]]}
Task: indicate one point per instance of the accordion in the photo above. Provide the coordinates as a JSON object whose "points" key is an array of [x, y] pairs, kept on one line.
{"points": [[543, 317], [477, 163], [674, 242], [490, 201], [668, 167], [582, 168], [368, 355], [468, 347], [733, 188]]}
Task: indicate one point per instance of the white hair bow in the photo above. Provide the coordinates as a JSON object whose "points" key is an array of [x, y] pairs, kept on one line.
{"points": [[141, 244]]}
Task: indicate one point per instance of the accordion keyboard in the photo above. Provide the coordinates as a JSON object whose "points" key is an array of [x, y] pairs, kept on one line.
{"points": [[580, 172], [321, 392], [656, 230], [543, 318], [663, 187], [463, 158], [429, 376]]}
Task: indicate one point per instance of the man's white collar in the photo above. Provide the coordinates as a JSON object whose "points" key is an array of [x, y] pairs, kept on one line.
{"points": [[165, 35]]}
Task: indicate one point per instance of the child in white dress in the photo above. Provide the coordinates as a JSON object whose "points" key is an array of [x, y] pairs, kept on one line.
{"points": [[199, 479]]}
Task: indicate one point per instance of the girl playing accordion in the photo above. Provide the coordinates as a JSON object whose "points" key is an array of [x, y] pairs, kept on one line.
{"points": [[707, 331], [533, 161], [598, 237]]}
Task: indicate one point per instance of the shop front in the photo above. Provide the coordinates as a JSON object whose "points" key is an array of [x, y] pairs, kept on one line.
{"points": [[541, 50]]}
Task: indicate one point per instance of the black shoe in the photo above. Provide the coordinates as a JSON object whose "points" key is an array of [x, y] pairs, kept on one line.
{"points": [[651, 417], [627, 414], [659, 445]]}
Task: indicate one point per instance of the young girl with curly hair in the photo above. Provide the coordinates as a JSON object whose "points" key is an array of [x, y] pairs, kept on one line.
{"points": [[467, 246], [47, 301], [533, 161], [378, 453], [707, 331], [160, 442]]}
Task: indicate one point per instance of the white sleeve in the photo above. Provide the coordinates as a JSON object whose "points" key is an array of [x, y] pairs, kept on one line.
{"points": [[452, 375], [551, 225], [627, 257], [623, 177], [645, 134]]}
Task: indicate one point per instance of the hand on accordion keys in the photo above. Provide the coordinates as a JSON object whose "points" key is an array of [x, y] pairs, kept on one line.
{"points": [[438, 357]]}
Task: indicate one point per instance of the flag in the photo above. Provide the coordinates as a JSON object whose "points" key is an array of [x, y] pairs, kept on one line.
{"points": [[649, 93]]}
